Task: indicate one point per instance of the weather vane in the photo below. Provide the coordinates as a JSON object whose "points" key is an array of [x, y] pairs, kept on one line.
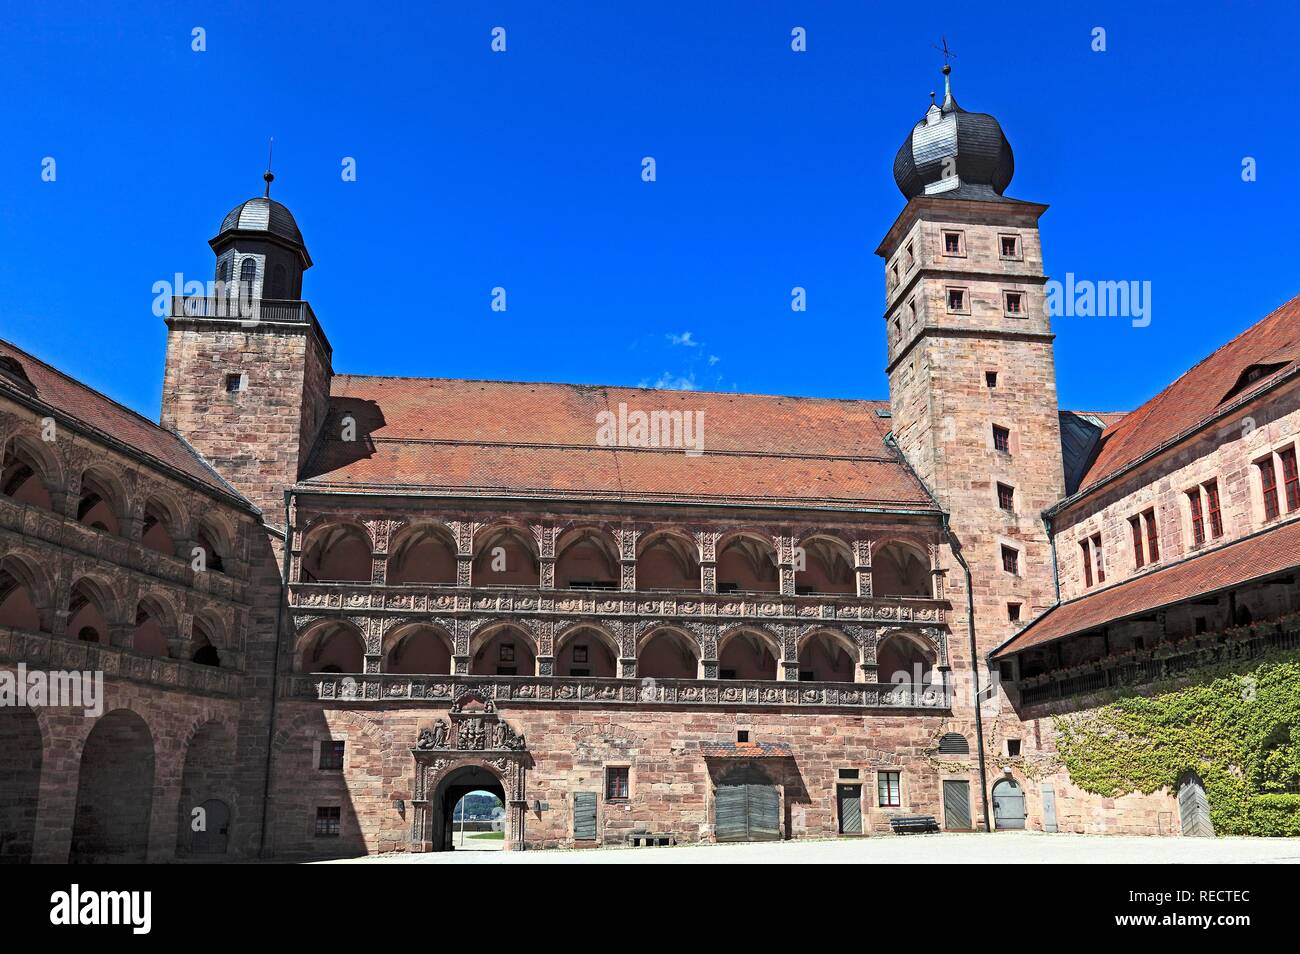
{"points": [[947, 53]]}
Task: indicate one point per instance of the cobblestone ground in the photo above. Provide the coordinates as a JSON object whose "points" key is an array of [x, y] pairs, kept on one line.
{"points": [[1004, 848]]}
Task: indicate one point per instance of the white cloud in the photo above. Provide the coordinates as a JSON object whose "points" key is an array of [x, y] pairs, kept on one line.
{"points": [[684, 340], [672, 382]]}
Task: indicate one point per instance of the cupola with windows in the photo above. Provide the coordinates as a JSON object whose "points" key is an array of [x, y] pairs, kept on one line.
{"points": [[260, 247]]}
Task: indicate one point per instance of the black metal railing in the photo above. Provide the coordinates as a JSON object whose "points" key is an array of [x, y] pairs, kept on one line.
{"points": [[243, 308]]}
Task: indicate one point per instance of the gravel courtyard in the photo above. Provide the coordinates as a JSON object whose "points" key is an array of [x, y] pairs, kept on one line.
{"points": [[1003, 848]]}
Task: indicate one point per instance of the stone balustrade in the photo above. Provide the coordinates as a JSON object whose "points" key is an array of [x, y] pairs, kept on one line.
{"points": [[577, 691]]}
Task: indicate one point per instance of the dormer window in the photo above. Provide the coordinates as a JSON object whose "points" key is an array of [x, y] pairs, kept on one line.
{"points": [[12, 368], [1251, 375]]}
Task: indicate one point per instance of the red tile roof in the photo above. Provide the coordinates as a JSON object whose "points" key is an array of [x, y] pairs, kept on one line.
{"points": [[501, 437], [102, 416], [1197, 395], [746, 750], [1264, 554]]}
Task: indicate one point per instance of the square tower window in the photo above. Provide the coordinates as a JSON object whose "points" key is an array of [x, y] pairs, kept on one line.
{"points": [[990, 379], [1009, 246], [1014, 303], [1013, 612], [1007, 498], [234, 383], [954, 243], [911, 257], [331, 755], [1001, 439], [957, 301]]}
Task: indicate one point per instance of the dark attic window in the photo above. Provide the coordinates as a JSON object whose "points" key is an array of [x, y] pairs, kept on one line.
{"points": [[1249, 376], [11, 368]]}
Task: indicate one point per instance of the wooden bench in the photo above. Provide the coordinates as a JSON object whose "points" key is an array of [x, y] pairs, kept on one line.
{"points": [[907, 824]]}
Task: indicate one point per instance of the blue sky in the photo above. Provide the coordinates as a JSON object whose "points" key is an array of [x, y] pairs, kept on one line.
{"points": [[522, 170]]}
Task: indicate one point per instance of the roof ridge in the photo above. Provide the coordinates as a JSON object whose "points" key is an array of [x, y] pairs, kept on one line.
{"points": [[608, 387], [732, 452]]}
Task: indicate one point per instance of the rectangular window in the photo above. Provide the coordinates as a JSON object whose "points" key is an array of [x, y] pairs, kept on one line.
{"points": [[887, 785], [1216, 515], [1009, 246], [1153, 541], [1013, 747], [1135, 523], [616, 777], [328, 822], [956, 299], [1086, 546], [953, 244], [1011, 559], [1013, 612], [1001, 439], [234, 383], [911, 256], [1290, 479], [1097, 560], [1014, 303], [1268, 479], [893, 275], [991, 379], [331, 755], [1006, 498], [1198, 519]]}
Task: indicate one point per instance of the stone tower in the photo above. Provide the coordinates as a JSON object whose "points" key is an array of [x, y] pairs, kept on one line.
{"points": [[248, 368], [972, 380]]}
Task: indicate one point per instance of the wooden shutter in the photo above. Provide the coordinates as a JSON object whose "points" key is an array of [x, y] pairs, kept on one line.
{"points": [[584, 816]]}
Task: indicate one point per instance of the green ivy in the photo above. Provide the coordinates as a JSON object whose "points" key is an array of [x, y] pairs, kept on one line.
{"points": [[1235, 729]]}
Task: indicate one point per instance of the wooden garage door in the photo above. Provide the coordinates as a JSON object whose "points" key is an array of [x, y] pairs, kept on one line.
{"points": [[747, 808]]}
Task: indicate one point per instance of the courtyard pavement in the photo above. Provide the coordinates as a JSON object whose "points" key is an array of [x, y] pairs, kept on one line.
{"points": [[1001, 848]]}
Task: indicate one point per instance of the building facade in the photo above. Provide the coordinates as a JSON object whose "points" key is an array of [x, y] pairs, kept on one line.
{"points": [[327, 606]]}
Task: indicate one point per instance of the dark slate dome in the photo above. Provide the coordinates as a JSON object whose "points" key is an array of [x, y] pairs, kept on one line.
{"points": [[262, 214], [984, 163]]}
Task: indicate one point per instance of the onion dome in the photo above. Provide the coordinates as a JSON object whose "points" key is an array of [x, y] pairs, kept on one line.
{"points": [[953, 153]]}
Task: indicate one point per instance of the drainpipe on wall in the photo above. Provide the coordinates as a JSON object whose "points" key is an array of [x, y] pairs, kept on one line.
{"points": [[275, 670], [1051, 539], [974, 665]]}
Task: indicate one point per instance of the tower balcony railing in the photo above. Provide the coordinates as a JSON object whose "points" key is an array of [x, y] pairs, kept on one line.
{"points": [[243, 308]]}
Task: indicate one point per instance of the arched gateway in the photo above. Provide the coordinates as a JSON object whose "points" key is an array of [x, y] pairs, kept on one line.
{"points": [[475, 750]]}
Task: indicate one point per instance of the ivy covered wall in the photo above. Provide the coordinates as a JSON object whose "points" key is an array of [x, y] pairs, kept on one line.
{"points": [[1240, 731]]}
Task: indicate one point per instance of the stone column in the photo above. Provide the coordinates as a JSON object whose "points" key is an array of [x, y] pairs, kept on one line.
{"points": [[544, 535], [626, 538], [707, 541], [785, 565], [862, 567]]}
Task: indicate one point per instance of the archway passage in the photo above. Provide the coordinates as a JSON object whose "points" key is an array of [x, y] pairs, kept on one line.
{"points": [[1008, 805], [115, 791], [207, 786], [20, 782], [454, 786], [17, 607], [747, 807], [478, 822]]}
